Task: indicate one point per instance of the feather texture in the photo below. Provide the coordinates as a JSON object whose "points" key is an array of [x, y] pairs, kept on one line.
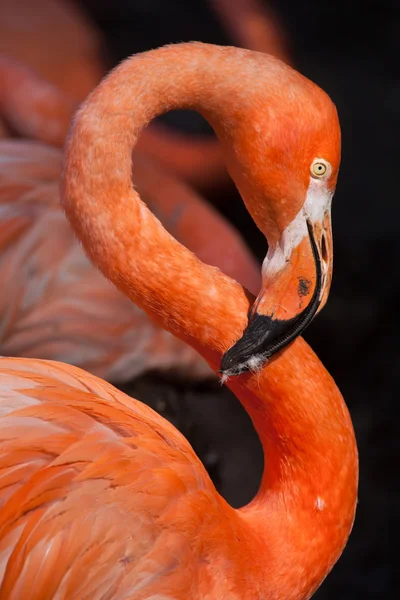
{"points": [[91, 478]]}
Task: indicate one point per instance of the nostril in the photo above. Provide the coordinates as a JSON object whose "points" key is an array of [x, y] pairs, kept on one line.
{"points": [[324, 249]]}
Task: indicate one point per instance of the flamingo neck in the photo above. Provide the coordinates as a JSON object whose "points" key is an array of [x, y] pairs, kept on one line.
{"points": [[305, 506], [122, 237], [304, 511]]}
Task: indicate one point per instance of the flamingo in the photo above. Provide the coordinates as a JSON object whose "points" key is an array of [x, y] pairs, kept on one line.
{"points": [[101, 497], [63, 45]]}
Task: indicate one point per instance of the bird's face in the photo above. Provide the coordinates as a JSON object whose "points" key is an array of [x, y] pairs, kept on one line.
{"points": [[297, 270], [289, 197]]}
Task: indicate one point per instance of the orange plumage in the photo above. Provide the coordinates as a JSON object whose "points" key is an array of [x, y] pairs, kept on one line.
{"points": [[102, 498]]}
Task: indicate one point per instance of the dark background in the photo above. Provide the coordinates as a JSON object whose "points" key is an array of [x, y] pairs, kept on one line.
{"points": [[352, 50]]}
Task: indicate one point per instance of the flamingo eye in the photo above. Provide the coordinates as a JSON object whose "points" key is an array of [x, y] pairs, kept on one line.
{"points": [[319, 168]]}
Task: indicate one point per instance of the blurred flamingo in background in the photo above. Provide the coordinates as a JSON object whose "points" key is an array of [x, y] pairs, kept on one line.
{"points": [[54, 304], [253, 25], [101, 497], [62, 44], [57, 40], [31, 106]]}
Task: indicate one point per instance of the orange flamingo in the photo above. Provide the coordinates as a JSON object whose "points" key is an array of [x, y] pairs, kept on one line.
{"points": [[101, 497], [63, 46]]}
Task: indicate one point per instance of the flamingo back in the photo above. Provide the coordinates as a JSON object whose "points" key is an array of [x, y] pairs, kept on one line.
{"points": [[100, 496]]}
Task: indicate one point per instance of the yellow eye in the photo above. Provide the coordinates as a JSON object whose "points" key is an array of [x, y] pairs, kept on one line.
{"points": [[318, 169]]}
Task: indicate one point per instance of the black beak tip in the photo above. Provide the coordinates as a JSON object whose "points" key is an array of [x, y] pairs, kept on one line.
{"points": [[262, 338], [250, 352], [231, 365]]}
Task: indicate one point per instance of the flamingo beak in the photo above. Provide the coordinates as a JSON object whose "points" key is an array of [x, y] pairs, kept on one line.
{"points": [[297, 275]]}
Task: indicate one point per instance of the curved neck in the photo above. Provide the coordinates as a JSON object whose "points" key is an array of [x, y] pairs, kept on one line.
{"points": [[119, 233], [310, 478], [308, 493]]}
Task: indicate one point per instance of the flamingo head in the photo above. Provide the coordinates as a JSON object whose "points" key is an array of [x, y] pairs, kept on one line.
{"points": [[285, 165]]}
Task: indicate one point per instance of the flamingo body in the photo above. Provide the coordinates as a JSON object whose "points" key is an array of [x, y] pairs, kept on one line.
{"points": [[100, 497], [86, 473]]}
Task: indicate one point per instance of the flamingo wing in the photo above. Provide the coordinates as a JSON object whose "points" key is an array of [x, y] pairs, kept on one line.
{"points": [[98, 493]]}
